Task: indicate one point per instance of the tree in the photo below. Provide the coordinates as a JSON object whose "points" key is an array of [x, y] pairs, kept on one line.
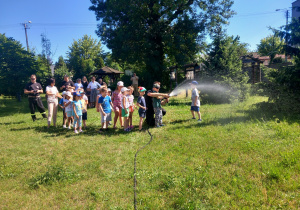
{"points": [[223, 64], [270, 46], [16, 66], [84, 56], [147, 32], [60, 70]]}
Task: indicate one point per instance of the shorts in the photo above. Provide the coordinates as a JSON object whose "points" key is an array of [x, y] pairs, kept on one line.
{"points": [[105, 118], [195, 108], [84, 116], [131, 109], [69, 114], [117, 108], [142, 113], [124, 114]]}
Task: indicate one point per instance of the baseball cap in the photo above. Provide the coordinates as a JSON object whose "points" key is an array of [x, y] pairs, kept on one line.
{"points": [[142, 89], [120, 83], [76, 94], [81, 92], [124, 89], [194, 83]]}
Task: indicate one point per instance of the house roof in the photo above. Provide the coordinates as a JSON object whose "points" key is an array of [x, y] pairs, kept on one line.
{"points": [[105, 71]]}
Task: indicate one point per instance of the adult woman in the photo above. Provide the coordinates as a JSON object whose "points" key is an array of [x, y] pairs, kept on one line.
{"points": [[78, 85], [85, 83], [52, 95], [117, 101], [93, 86]]}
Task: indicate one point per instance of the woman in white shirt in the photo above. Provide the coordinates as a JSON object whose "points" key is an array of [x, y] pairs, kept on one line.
{"points": [[52, 95], [93, 86], [78, 85]]}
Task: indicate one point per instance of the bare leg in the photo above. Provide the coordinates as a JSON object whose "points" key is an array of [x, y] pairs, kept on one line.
{"points": [[193, 114], [117, 113], [141, 123]]}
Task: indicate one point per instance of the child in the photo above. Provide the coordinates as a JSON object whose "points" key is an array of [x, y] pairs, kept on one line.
{"points": [[68, 108], [77, 110], [109, 94], [142, 104], [61, 104], [131, 105], [117, 102], [125, 108], [157, 97], [84, 101], [195, 107], [105, 105]]}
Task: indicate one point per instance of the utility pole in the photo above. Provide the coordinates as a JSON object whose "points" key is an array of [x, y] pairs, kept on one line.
{"points": [[26, 26], [286, 33]]}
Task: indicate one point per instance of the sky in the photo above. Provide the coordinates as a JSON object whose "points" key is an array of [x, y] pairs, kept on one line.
{"points": [[63, 21]]}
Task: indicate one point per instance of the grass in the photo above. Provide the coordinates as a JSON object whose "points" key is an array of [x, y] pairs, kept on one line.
{"points": [[241, 156]]}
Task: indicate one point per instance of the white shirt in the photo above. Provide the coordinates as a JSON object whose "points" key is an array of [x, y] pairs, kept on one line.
{"points": [[78, 85], [94, 85], [69, 107], [52, 90], [195, 94]]}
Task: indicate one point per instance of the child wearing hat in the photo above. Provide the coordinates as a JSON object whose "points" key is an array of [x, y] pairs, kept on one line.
{"points": [[195, 107], [125, 108], [84, 101], [77, 112], [142, 104]]}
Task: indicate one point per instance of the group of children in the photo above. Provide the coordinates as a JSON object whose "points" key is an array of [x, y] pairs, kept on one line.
{"points": [[121, 102]]}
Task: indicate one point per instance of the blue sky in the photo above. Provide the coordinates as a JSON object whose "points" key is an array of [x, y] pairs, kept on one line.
{"points": [[66, 20]]}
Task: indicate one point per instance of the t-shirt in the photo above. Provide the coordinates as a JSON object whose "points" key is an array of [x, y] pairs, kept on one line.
{"points": [[68, 108], [105, 103], [83, 101], [33, 86], [94, 85], [195, 94], [53, 90], [135, 80], [61, 102], [126, 102], [78, 86], [156, 101], [69, 83], [78, 107], [142, 102]]}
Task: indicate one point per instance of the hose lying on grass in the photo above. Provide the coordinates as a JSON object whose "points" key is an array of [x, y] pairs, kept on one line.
{"points": [[151, 137]]}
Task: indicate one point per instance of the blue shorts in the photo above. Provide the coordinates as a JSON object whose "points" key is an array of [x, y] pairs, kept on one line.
{"points": [[142, 113], [84, 116], [195, 108], [69, 114]]}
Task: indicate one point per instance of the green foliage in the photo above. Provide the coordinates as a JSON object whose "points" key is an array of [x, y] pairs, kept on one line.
{"points": [[60, 70], [44, 72], [16, 66], [224, 66], [270, 46], [149, 32], [84, 56]]}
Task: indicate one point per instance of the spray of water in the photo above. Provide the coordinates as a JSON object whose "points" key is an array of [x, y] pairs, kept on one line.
{"points": [[202, 86]]}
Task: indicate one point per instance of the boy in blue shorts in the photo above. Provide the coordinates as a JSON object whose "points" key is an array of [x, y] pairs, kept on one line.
{"points": [[142, 104], [105, 105], [195, 107]]}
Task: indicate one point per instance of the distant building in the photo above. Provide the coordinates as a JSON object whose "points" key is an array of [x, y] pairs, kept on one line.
{"points": [[296, 9]]}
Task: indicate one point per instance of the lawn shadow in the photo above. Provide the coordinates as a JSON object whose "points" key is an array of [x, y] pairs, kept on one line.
{"points": [[13, 123]]}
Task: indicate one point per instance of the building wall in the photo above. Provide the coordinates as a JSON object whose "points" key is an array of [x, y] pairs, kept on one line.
{"points": [[295, 12]]}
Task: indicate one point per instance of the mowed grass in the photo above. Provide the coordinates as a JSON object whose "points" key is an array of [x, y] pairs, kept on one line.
{"points": [[240, 156]]}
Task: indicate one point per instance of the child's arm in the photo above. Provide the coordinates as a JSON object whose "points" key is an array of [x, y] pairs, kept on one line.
{"points": [[97, 105], [195, 102], [112, 105], [75, 111], [101, 109], [139, 105], [67, 104]]}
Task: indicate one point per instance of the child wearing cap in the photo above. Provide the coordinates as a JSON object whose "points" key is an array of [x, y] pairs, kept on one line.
{"points": [[195, 106], [77, 112], [84, 101], [68, 108], [131, 105], [117, 102], [125, 108], [105, 105], [142, 104]]}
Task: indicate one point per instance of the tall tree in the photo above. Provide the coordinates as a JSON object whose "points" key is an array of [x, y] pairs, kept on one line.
{"points": [[16, 66], [148, 31], [84, 56], [270, 46]]}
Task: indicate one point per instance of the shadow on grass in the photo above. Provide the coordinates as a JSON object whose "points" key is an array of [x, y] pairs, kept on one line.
{"points": [[12, 123]]}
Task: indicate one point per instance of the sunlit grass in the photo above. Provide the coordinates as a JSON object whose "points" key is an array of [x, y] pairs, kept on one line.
{"points": [[240, 156]]}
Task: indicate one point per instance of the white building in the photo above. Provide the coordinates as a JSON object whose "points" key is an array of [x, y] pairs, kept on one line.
{"points": [[296, 9]]}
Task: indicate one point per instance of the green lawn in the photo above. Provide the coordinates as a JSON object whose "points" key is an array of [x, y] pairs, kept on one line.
{"points": [[240, 156]]}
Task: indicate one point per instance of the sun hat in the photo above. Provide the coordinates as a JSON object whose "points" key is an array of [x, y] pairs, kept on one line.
{"points": [[194, 82], [124, 89], [108, 90], [142, 89], [64, 93], [120, 83], [68, 94], [81, 92]]}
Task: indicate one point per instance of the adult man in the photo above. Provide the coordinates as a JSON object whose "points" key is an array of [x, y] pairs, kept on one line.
{"points": [[33, 89], [67, 84], [135, 84]]}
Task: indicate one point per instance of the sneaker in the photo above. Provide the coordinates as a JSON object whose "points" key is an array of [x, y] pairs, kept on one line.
{"points": [[109, 123], [161, 125], [127, 129], [157, 126], [75, 131], [64, 126], [69, 127], [193, 118], [131, 127], [80, 131], [200, 120]]}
